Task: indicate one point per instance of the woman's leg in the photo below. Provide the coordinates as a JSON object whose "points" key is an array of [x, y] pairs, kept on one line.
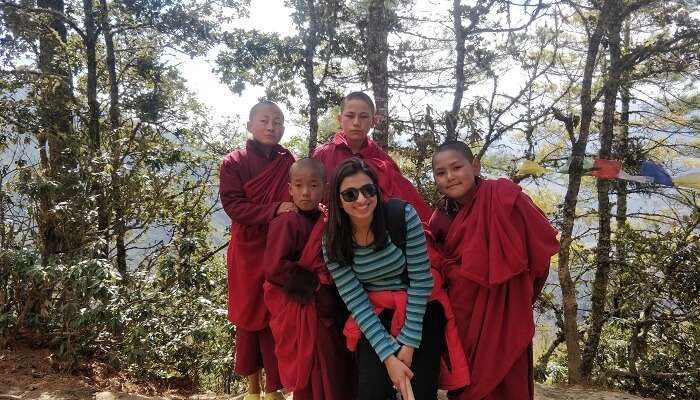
{"points": [[373, 381], [426, 359]]}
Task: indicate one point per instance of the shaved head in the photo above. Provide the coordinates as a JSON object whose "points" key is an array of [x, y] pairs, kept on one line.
{"points": [[457, 146], [262, 104], [308, 163]]}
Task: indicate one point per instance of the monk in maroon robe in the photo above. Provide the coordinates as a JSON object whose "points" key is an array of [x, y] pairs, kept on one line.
{"points": [[253, 190], [357, 117], [497, 247], [302, 300]]}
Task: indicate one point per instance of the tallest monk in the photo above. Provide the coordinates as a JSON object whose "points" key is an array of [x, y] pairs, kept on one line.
{"points": [[357, 117], [253, 190]]}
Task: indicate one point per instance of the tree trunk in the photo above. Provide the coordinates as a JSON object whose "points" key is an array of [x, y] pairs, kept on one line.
{"points": [[94, 123], [115, 123], [603, 262], [453, 115], [578, 152], [621, 153], [377, 67], [91, 53], [310, 44], [56, 150]]}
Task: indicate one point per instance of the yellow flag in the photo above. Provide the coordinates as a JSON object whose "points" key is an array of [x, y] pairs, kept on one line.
{"points": [[691, 180], [529, 167]]}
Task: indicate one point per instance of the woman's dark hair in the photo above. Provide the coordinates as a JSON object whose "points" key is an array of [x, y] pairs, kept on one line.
{"points": [[339, 230]]}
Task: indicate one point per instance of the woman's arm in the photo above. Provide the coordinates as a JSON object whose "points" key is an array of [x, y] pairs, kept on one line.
{"points": [[355, 298]]}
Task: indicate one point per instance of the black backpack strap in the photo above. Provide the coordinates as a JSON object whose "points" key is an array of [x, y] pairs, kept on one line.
{"points": [[395, 212]]}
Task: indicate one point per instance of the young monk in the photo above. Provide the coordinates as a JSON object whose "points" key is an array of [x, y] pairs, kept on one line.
{"points": [[356, 118], [253, 190], [314, 362], [496, 245]]}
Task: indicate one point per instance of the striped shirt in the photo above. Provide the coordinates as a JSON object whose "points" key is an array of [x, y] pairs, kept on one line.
{"points": [[376, 270]]}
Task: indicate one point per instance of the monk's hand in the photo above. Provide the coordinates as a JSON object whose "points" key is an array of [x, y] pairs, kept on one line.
{"points": [[399, 373], [301, 285], [405, 354], [286, 206]]}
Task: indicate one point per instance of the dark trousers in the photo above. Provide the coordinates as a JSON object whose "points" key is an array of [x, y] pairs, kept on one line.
{"points": [[373, 378]]}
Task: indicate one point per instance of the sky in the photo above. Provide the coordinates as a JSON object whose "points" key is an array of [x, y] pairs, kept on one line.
{"points": [[215, 95], [268, 16]]}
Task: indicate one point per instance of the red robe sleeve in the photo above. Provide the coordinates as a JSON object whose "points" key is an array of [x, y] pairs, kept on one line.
{"points": [[439, 225], [281, 249], [234, 200], [540, 240]]}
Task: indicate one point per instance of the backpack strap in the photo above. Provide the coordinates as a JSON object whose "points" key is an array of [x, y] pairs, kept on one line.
{"points": [[395, 213]]}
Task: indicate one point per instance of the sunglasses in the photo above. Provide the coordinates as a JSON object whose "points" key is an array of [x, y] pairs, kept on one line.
{"points": [[351, 194]]}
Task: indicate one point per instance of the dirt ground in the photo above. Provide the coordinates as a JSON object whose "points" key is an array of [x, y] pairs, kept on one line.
{"points": [[28, 374]]}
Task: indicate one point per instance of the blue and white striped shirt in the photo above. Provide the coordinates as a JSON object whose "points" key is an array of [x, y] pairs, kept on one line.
{"points": [[378, 270]]}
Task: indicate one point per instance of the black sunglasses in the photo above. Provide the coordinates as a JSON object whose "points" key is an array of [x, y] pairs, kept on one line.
{"points": [[351, 194]]}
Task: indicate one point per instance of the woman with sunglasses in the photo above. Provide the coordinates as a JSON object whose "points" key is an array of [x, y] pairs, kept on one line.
{"points": [[368, 270]]}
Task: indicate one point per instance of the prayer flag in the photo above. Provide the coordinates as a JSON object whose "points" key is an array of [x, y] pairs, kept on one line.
{"points": [[691, 180], [657, 172], [606, 169], [529, 167], [636, 178], [587, 165]]}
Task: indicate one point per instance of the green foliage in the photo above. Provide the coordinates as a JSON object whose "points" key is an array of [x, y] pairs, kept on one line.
{"points": [[148, 292], [654, 316], [262, 59], [154, 327]]}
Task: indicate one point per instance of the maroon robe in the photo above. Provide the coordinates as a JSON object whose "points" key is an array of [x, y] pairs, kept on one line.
{"points": [[391, 182], [313, 361], [496, 252], [252, 186]]}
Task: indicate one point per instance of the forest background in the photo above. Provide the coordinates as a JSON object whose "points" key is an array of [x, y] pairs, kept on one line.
{"points": [[112, 237]]}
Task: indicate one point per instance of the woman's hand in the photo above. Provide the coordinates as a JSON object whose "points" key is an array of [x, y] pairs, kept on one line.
{"points": [[399, 374], [405, 355]]}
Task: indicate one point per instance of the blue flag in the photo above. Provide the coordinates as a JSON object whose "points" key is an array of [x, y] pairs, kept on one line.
{"points": [[657, 172]]}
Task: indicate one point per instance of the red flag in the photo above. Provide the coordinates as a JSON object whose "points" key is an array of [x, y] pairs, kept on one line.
{"points": [[606, 169]]}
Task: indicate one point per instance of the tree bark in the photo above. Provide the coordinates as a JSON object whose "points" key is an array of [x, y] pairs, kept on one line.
{"points": [[377, 67], [115, 123], [453, 115], [312, 89], [56, 151], [578, 152], [603, 261], [621, 153], [90, 42], [91, 54]]}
